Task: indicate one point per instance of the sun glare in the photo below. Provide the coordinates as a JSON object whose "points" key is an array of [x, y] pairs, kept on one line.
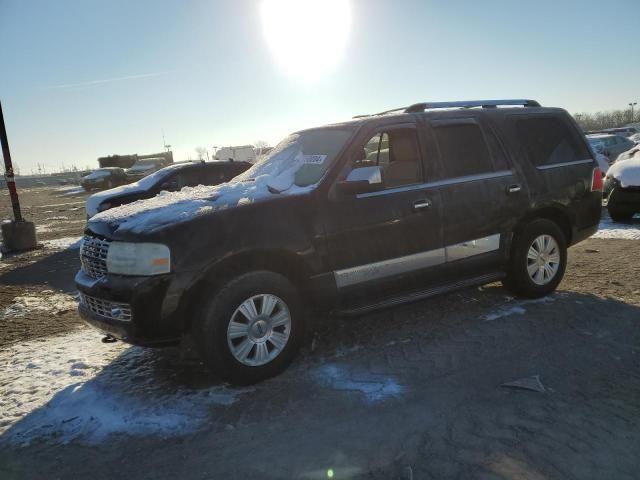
{"points": [[307, 37]]}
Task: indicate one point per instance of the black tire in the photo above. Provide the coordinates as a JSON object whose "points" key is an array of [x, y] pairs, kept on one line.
{"points": [[518, 280], [618, 214], [216, 314]]}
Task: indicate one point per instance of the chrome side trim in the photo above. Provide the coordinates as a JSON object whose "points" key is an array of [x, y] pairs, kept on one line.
{"points": [[416, 261], [565, 164], [439, 183], [468, 249], [388, 268]]}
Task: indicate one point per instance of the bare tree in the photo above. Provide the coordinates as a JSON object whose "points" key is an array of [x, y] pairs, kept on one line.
{"points": [[261, 147], [601, 120], [202, 153]]}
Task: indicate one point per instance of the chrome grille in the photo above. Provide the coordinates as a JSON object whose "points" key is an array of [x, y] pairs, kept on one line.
{"points": [[93, 256], [106, 309]]}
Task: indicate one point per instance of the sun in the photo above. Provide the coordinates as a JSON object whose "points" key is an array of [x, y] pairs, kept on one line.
{"points": [[306, 37]]}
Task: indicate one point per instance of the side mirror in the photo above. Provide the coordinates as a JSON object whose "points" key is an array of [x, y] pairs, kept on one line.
{"points": [[362, 179]]}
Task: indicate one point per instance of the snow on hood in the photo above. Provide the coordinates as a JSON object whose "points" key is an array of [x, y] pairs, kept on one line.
{"points": [[627, 169], [272, 177]]}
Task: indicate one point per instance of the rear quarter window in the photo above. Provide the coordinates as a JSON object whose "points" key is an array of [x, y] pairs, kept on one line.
{"points": [[549, 139]]}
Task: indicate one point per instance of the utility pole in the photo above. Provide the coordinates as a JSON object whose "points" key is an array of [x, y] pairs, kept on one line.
{"points": [[8, 170], [19, 234], [632, 104]]}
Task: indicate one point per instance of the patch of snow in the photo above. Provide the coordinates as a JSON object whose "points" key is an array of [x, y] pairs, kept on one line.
{"points": [[616, 230], [71, 190], [64, 243], [60, 217], [73, 387], [47, 301], [373, 387], [514, 308], [58, 205], [44, 228]]}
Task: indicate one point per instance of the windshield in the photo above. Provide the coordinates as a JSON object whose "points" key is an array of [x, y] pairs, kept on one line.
{"points": [[301, 159], [98, 174]]}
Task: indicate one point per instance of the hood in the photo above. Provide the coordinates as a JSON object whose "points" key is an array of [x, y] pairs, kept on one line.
{"points": [[170, 208], [627, 169]]}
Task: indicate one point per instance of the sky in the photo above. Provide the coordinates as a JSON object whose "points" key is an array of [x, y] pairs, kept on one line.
{"points": [[81, 79]]}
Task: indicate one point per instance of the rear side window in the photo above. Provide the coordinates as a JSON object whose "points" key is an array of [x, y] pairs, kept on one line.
{"points": [[462, 149], [548, 140]]}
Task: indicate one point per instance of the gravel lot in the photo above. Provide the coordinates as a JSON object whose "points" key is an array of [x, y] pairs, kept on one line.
{"points": [[412, 392]]}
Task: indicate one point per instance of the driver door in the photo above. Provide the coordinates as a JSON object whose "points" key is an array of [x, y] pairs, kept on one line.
{"points": [[379, 242]]}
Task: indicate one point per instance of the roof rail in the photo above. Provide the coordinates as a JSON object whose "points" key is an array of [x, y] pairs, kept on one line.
{"points": [[420, 107]]}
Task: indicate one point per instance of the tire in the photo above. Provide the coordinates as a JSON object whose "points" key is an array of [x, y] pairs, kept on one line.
{"points": [[523, 278], [261, 288], [618, 214]]}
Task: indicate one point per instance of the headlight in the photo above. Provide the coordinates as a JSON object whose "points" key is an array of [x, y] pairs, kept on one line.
{"points": [[138, 258]]}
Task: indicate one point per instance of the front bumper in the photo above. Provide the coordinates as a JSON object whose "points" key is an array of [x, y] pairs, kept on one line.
{"points": [[138, 310]]}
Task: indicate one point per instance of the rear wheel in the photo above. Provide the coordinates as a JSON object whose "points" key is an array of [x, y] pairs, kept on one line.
{"points": [[618, 214], [538, 259], [252, 329]]}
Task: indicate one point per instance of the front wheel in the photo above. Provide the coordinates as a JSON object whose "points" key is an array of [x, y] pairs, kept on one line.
{"points": [[538, 259], [252, 329]]}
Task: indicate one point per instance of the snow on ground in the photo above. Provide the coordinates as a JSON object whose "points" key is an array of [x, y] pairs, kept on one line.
{"points": [[374, 387], [62, 243], [70, 190], [47, 301], [512, 307], [626, 231], [73, 387]]}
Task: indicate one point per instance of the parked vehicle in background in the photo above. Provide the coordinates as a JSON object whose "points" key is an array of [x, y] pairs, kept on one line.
{"points": [[350, 217], [171, 178], [103, 178], [602, 160], [144, 167], [614, 144], [243, 153], [622, 187], [625, 131]]}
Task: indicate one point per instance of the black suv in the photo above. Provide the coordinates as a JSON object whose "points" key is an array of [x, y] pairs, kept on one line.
{"points": [[350, 217]]}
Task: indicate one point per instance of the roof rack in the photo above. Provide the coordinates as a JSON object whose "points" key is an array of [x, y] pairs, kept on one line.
{"points": [[420, 107]]}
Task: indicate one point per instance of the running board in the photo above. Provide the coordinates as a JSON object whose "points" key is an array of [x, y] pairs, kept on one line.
{"points": [[421, 295]]}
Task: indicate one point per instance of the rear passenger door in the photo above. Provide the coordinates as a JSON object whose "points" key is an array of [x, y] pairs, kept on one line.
{"points": [[482, 195]]}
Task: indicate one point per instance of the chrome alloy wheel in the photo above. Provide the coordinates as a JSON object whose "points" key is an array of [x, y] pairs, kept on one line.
{"points": [[259, 330], [543, 259]]}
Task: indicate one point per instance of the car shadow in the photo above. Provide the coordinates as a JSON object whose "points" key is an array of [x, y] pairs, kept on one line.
{"points": [[57, 270], [140, 392]]}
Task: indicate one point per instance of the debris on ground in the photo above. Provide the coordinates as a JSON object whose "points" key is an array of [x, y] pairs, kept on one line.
{"points": [[527, 383]]}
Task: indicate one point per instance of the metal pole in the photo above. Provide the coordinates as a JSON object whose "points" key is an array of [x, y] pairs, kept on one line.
{"points": [[8, 170]]}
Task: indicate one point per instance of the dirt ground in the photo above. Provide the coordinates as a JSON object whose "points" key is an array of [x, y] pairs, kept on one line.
{"points": [[411, 392]]}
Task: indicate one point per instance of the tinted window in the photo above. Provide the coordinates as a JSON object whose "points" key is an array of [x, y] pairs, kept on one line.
{"points": [[548, 140], [462, 149]]}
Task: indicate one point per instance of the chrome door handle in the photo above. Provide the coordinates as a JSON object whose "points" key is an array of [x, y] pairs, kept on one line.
{"points": [[422, 204], [513, 188]]}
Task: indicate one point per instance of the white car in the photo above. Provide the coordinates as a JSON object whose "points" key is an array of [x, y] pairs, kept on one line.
{"points": [[622, 186]]}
